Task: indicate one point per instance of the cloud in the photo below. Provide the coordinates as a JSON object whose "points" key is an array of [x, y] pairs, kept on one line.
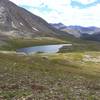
{"points": [[33, 3], [85, 17], [85, 1], [55, 11]]}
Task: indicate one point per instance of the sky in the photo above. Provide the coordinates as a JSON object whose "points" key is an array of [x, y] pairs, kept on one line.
{"points": [[68, 12]]}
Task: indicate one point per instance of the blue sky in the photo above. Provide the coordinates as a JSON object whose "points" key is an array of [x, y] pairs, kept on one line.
{"points": [[69, 12]]}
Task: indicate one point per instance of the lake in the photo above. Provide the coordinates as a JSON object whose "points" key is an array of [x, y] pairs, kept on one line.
{"points": [[43, 49]]}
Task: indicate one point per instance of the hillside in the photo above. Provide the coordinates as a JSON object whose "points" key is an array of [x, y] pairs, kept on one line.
{"points": [[19, 25], [93, 37], [18, 22]]}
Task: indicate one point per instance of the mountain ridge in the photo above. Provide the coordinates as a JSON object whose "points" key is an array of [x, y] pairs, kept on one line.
{"points": [[89, 33]]}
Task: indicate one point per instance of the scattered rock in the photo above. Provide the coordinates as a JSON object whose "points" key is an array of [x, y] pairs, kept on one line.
{"points": [[36, 87]]}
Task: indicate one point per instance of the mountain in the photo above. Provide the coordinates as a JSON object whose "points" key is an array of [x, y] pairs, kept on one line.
{"points": [[20, 28], [93, 37], [58, 25], [67, 29], [85, 30], [18, 22], [77, 31]]}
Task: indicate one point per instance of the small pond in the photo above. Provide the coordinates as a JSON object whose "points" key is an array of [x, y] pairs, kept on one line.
{"points": [[43, 49]]}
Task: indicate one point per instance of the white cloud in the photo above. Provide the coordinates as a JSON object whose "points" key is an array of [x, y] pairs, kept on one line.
{"points": [[51, 3], [63, 12], [85, 1], [33, 3], [86, 17]]}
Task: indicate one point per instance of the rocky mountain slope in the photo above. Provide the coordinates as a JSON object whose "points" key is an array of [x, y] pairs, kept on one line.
{"points": [[19, 27], [18, 22]]}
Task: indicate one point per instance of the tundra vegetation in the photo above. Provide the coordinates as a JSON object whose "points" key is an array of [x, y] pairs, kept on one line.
{"points": [[71, 74]]}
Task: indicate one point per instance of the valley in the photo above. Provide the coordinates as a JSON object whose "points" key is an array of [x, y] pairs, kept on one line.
{"points": [[72, 73], [65, 64]]}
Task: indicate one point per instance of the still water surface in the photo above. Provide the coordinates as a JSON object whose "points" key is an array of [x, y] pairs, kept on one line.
{"points": [[43, 48]]}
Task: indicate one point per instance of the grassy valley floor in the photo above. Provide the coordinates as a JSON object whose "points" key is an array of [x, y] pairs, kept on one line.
{"points": [[60, 76], [73, 74]]}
